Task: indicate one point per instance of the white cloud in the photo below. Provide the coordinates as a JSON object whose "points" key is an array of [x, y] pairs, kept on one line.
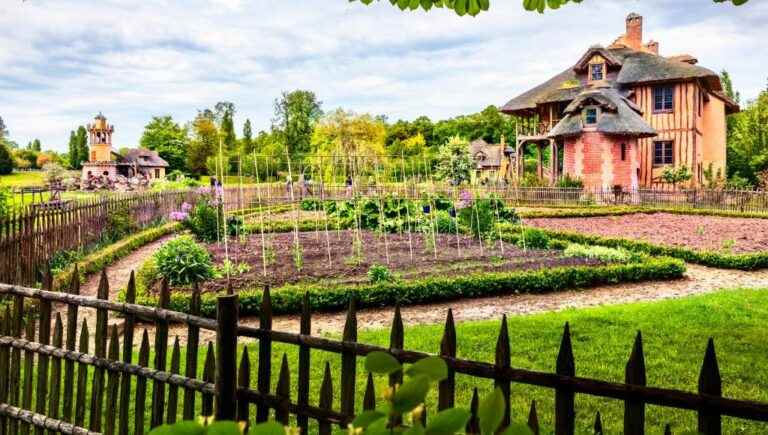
{"points": [[61, 62]]}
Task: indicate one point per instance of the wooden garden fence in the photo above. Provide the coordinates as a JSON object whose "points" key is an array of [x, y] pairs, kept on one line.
{"points": [[52, 380], [30, 237]]}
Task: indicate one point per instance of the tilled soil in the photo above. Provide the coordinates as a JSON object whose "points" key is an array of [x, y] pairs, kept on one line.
{"points": [[329, 258], [724, 234]]}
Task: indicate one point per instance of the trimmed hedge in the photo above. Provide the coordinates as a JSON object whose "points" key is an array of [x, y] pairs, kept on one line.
{"points": [[100, 259], [287, 299], [625, 210], [751, 261]]}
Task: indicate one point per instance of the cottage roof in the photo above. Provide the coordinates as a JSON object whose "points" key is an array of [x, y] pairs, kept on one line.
{"points": [[144, 157], [485, 155], [636, 67], [618, 115]]}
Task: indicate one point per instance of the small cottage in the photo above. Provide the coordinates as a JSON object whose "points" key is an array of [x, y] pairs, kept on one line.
{"points": [[105, 166]]}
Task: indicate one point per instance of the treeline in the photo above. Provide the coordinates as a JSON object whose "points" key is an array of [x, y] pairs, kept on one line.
{"points": [[747, 152], [305, 139], [13, 156]]}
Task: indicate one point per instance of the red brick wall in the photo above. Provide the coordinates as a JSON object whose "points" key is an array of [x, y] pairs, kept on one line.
{"points": [[595, 158]]}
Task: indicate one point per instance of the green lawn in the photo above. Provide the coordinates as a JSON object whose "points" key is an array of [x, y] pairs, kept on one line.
{"points": [[27, 178], [675, 334]]}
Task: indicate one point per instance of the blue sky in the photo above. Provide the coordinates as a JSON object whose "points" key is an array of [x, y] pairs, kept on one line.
{"points": [[62, 61]]}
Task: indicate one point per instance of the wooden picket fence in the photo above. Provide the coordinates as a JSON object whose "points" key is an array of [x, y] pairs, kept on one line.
{"points": [[93, 385], [31, 236]]}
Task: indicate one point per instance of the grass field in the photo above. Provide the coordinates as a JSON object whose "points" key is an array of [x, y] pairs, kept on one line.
{"points": [[675, 334], [18, 179]]}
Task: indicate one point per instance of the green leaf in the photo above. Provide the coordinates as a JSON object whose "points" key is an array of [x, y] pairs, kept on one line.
{"points": [[381, 363], [460, 6], [517, 429], [379, 427], [473, 8], [233, 428], [432, 367], [180, 428], [411, 394], [364, 419], [448, 421], [416, 429], [490, 412]]}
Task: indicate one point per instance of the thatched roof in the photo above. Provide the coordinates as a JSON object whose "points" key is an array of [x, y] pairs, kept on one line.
{"points": [[143, 157], [618, 115], [485, 155], [636, 67]]}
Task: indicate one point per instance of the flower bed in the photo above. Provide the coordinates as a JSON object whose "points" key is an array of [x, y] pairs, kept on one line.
{"points": [[726, 242]]}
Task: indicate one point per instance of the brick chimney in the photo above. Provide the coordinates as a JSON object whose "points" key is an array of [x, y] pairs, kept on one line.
{"points": [[634, 35], [652, 47]]}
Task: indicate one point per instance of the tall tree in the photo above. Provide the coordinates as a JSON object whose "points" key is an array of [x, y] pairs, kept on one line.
{"points": [[74, 153], [247, 137], [355, 141], [168, 138], [3, 130], [748, 142], [82, 144], [6, 159], [203, 143], [454, 162], [296, 114]]}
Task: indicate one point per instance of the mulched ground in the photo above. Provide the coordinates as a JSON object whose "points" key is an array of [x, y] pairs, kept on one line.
{"points": [[454, 256], [724, 234]]}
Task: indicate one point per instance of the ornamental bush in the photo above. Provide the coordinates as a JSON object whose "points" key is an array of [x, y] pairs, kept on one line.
{"points": [[533, 238], [183, 261], [204, 221], [602, 253]]}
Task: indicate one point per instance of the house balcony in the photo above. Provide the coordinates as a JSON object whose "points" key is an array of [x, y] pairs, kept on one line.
{"points": [[528, 131]]}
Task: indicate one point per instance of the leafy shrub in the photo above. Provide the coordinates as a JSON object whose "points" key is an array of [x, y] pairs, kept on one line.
{"points": [[533, 238], [147, 274], [378, 273], [204, 221], [234, 226], [6, 160], [569, 182], [182, 261], [5, 196], [120, 223], [444, 223], [602, 253], [63, 259], [311, 204]]}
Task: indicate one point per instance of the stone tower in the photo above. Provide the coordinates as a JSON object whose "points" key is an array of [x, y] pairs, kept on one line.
{"points": [[100, 140]]}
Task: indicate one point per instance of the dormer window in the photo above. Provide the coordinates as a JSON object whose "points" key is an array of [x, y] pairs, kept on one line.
{"points": [[590, 115], [596, 72]]}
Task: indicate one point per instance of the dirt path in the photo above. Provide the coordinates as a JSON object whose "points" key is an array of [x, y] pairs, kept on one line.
{"points": [[118, 274], [698, 280]]}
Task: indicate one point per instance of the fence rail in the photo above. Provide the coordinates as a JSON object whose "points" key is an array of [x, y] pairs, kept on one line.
{"points": [[67, 399]]}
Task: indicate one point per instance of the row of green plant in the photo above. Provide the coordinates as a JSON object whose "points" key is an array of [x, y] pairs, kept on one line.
{"points": [[432, 213], [287, 299], [625, 210], [750, 261]]}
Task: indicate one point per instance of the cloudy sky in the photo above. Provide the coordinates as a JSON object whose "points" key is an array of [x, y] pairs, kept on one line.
{"points": [[62, 61]]}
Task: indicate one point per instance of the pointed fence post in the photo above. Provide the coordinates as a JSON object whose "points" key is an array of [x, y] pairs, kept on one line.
{"points": [[598, 426], [326, 399], [125, 378], [504, 361], [710, 383], [100, 348], [473, 425], [140, 404], [226, 357], [44, 337], [565, 414], [161, 356], [396, 342], [305, 328], [283, 392], [533, 419], [173, 390], [193, 343], [634, 411], [369, 398], [71, 340], [209, 375], [349, 361], [244, 381], [82, 377], [113, 379], [447, 387], [264, 375]]}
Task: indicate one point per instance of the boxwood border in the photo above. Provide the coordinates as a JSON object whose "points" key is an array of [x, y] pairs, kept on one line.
{"points": [[288, 299]]}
